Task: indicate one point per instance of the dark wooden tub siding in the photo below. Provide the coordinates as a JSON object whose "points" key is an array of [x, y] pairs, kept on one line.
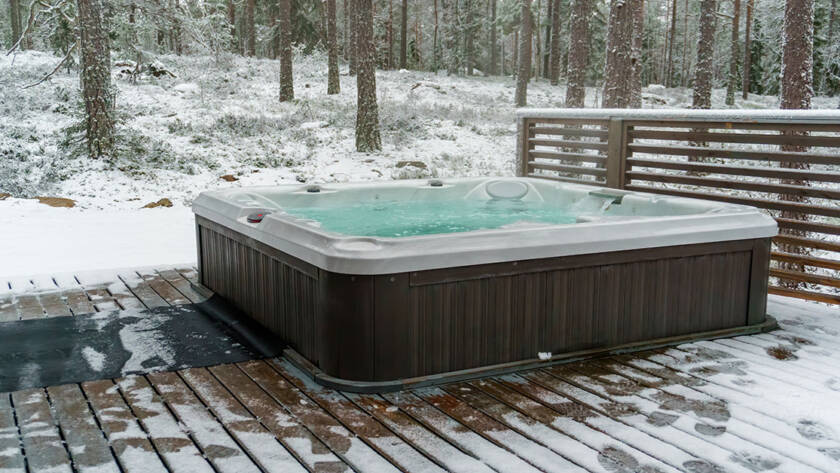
{"points": [[386, 327]]}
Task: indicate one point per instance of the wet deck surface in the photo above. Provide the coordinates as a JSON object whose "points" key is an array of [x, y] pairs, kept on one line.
{"points": [[758, 403]]}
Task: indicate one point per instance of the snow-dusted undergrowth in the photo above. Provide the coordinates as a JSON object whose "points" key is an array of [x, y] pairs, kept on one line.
{"points": [[178, 136]]}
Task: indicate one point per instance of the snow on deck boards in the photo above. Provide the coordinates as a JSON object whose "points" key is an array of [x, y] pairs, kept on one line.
{"points": [[747, 404], [70, 294]]}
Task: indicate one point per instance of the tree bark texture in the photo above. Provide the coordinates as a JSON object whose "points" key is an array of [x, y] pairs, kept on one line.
{"points": [[733, 57], [251, 41], [523, 72], [705, 56], [797, 90], [578, 60], [96, 77], [333, 85], [745, 86], [619, 67], [287, 89], [367, 113], [14, 14], [494, 49], [403, 34], [554, 53]]}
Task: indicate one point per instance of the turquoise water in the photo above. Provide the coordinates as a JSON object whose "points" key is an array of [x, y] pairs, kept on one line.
{"points": [[412, 218]]}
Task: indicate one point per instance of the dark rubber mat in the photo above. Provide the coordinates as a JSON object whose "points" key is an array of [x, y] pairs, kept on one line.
{"points": [[61, 350]]}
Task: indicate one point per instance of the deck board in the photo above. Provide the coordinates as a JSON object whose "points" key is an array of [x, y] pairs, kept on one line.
{"points": [[753, 403]]}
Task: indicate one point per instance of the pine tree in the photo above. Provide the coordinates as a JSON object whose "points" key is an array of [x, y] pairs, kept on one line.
{"points": [[333, 85], [493, 69], [14, 16], [669, 75], [554, 53], [251, 42], [745, 85], [638, 15], [733, 57], [231, 14], [797, 90], [287, 90], [367, 110], [403, 34], [96, 77], [523, 71], [578, 60], [705, 56], [352, 47], [619, 68]]}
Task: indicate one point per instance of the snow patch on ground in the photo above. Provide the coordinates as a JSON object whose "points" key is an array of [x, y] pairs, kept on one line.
{"points": [[95, 359]]}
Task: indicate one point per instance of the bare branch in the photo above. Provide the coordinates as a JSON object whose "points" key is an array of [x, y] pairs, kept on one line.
{"points": [[47, 76]]}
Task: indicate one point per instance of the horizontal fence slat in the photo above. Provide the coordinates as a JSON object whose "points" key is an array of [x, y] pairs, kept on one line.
{"points": [[704, 152], [805, 260], [569, 121], [749, 138], [816, 227], [752, 171], [590, 171], [807, 242], [568, 179], [807, 295], [539, 130], [735, 184], [804, 277], [568, 144], [586, 158], [766, 125], [762, 203]]}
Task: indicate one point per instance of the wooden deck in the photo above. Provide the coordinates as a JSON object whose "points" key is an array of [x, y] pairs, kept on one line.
{"points": [[758, 403]]}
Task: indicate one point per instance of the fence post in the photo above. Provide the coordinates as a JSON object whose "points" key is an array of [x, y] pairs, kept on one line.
{"points": [[522, 145], [615, 154]]}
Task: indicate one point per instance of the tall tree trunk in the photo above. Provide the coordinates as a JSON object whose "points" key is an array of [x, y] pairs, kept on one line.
{"points": [[251, 41], [274, 50], [404, 34], [287, 89], [535, 32], [578, 60], [494, 49], [636, 53], [469, 36], [523, 71], [685, 67], [176, 28], [450, 36], [367, 110], [618, 69], [549, 4], [390, 32], [797, 90], [353, 47], [96, 77], [705, 56], [333, 86], [231, 15], [435, 51], [554, 63], [733, 58], [669, 75], [745, 84], [14, 14]]}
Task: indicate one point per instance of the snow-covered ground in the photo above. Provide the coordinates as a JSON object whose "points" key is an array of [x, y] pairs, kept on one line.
{"points": [[181, 135]]}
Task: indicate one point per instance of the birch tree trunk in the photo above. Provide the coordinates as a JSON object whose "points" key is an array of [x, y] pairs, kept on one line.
{"points": [[578, 60], [733, 57], [287, 89], [745, 85], [618, 69], [96, 77], [797, 90], [367, 110], [554, 60], [333, 85], [705, 56], [523, 71]]}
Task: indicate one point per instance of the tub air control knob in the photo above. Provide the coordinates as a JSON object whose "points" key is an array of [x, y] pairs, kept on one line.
{"points": [[257, 217], [313, 189], [436, 183]]}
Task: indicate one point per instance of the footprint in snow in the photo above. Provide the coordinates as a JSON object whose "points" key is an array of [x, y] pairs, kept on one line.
{"points": [[813, 430]]}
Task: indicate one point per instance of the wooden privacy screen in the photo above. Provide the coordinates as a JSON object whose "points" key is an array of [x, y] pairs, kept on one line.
{"points": [[787, 164]]}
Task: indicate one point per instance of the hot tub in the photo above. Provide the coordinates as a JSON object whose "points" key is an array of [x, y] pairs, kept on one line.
{"points": [[383, 285]]}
